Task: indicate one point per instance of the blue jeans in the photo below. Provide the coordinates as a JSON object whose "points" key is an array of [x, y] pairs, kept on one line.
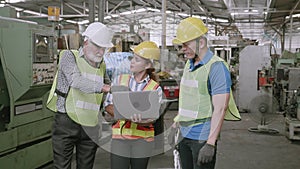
{"points": [[188, 152]]}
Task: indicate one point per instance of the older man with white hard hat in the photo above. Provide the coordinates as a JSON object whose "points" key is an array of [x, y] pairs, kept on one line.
{"points": [[76, 96]]}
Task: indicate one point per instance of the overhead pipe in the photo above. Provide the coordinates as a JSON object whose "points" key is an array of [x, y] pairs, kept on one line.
{"points": [[164, 25], [91, 11], [101, 8]]}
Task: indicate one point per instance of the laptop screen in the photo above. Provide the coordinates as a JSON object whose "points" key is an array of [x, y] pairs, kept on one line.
{"points": [[127, 103]]}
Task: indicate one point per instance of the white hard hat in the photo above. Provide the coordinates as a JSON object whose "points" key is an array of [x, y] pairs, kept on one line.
{"points": [[99, 34]]}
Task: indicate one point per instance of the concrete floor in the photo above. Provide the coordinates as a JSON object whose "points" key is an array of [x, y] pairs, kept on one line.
{"points": [[237, 149]]}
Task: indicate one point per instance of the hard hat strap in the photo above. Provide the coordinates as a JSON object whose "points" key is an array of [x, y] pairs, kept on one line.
{"points": [[197, 46]]}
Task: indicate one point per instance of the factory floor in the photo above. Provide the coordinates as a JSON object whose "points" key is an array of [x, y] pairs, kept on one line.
{"points": [[237, 148]]}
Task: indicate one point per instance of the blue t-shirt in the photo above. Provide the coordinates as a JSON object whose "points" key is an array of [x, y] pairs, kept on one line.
{"points": [[219, 82]]}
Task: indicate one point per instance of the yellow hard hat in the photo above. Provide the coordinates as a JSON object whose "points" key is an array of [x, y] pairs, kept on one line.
{"points": [[189, 29], [147, 50]]}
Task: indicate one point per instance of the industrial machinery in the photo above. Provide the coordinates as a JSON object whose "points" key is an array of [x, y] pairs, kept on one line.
{"points": [[254, 75], [255, 87], [287, 79], [292, 123], [287, 91], [27, 68]]}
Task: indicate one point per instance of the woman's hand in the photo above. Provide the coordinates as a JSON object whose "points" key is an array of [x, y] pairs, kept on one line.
{"points": [[106, 88], [137, 118]]}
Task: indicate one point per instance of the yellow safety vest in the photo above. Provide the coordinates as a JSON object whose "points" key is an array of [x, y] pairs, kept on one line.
{"points": [[195, 105], [124, 129], [81, 107]]}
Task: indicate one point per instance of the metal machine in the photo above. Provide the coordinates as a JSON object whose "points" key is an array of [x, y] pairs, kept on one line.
{"points": [[287, 80], [27, 69], [254, 63], [287, 92]]}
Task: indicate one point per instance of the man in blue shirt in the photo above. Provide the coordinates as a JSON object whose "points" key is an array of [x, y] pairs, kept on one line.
{"points": [[204, 99]]}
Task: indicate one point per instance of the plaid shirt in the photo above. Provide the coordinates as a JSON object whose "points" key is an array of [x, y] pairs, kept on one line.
{"points": [[134, 86], [69, 75]]}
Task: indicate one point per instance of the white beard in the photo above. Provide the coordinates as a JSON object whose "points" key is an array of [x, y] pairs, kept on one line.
{"points": [[96, 59]]}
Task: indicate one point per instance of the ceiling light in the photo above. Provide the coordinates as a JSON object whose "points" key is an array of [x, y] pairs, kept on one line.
{"points": [[107, 17], [34, 13], [201, 8], [126, 13], [140, 10], [83, 22], [153, 10], [294, 16], [222, 20], [71, 21], [183, 14], [244, 13], [114, 15], [15, 1]]}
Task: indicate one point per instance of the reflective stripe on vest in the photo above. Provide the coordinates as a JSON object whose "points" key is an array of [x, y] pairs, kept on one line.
{"points": [[194, 99], [83, 108], [128, 130]]}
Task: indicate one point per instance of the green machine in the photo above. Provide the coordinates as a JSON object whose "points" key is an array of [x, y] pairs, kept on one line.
{"points": [[27, 67]]}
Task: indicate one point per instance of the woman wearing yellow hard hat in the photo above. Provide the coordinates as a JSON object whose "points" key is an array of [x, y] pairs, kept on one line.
{"points": [[205, 97], [133, 139]]}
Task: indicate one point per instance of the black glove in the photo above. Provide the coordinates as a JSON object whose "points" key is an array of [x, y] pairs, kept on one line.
{"points": [[206, 154], [171, 136]]}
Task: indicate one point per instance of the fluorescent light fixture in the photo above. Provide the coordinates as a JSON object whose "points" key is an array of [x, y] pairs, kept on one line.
{"points": [[83, 22], [140, 10], [196, 16], [201, 8], [244, 13], [34, 13], [251, 10], [71, 21], [153, 10], [126, 13], [2, 5], [183, 14], [133, 11], [222, 20], [107, 17], [114, 15], [294, 16], [14, 1]]}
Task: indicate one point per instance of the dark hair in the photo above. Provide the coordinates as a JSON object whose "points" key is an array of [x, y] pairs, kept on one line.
{"points": [[152, 74]]}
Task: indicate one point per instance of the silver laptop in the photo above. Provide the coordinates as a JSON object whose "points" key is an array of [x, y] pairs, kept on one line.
{"points": [[127, 103]]}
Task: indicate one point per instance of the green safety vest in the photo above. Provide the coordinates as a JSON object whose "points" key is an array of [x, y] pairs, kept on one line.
{"points": [[128, 130], [195, 104], [81, 107]]}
